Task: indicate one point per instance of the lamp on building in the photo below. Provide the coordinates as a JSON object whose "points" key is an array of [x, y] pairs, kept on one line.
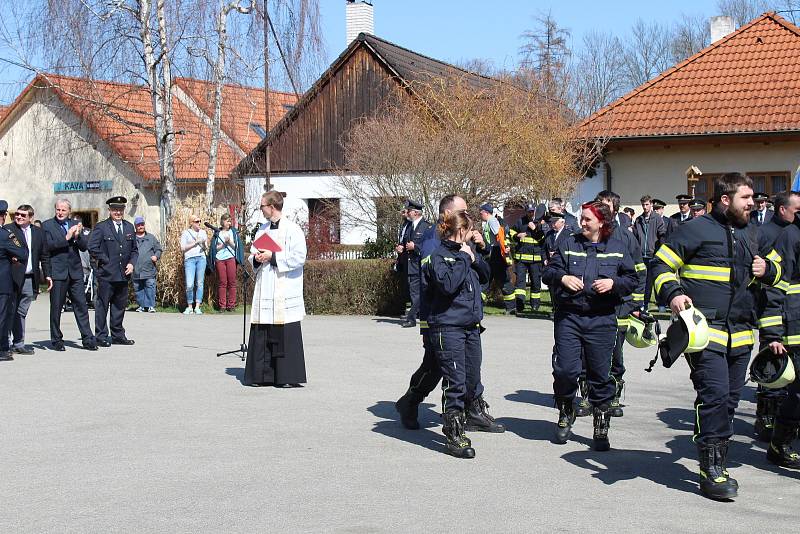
{"points": [[693, 175]]}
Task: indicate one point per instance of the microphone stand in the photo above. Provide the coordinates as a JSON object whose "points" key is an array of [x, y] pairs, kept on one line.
{"points": [[242, 350]]}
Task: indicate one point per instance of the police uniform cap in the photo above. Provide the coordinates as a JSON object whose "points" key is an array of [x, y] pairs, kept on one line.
{"points": [[555, 215], [759, 197], [487, 208], [659, 203], [3, 206], [683, 198], [118, 201], [697, 204], [413, 205]]}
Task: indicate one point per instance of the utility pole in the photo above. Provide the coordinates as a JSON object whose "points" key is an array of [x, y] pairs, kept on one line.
{"points": [[267, 184]]}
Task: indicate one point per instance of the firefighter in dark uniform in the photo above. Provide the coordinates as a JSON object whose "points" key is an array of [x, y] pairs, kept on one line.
{"points": [[412, 237], [787, 308], [698, 209], [684, 213], [590, 273], [528, 238], [496, 257], [718, 261], [773, 305], [452, 278], [11, 251], [112, 244], [633, 304]]}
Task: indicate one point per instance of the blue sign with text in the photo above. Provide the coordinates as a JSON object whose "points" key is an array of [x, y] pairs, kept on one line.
{"points": [[90, 185]]}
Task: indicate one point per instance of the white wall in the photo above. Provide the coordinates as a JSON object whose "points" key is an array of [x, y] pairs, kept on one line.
{"points": [[300, 188], [661, 172]]}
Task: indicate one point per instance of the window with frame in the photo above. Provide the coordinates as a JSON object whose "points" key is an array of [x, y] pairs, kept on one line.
{"points": [[770, 183]]}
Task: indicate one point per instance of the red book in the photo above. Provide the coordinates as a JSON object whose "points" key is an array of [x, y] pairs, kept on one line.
{"points": [[265, 242]]}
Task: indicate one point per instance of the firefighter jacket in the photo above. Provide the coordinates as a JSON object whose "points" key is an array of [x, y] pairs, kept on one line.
{"points": [[528, 249], [636, 299], [577, 256], [714, 263], [451, 283], [780, 318]]}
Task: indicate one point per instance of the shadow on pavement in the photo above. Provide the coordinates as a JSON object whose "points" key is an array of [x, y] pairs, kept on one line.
{"points": [[538, 430], [532, 397], [237, 373], [391, 426], [389, 320]]}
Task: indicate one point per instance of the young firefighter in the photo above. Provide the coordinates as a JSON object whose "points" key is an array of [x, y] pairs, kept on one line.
{"points": [[717, 256], [452, 279], [591, 273]]}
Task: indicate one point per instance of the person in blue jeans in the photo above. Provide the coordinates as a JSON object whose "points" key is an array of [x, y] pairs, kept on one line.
{"points": [[144, 272], [194, 243]]}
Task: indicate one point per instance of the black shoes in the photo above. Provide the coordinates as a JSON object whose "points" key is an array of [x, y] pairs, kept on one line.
{"points": [[103, 342], [22, 350], [583, 408], [616, 406], [479, 420], [780, 450], [766, 409], [90, 345], [6, 357], [407, 407], [566, 418], [122, 341], [59, 346], [458, 444], [602, 422], [715, 481]]}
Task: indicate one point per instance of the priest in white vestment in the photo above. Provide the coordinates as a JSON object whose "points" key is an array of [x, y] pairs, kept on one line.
{"points": [[275, 350]]}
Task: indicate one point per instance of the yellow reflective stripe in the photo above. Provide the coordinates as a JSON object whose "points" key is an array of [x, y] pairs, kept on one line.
{"points": [[772, 320], [572, 253], [706, 272], [774, 256], [778, 271], [512, 232], [668, 256], [536, 296], [637, 296], [623, 322], [791, 340], [520, 292], [640, 267], [423, 324], [661, 279], [509, 297], [791, 289], [425, 260], [527, 257], [483, 296], [720, 337], [786, 286], [740, 339], [529, 240], [610, 255]]}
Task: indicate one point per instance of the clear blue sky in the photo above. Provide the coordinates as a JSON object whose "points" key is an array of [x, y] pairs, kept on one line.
{"points": [[455, 30]]}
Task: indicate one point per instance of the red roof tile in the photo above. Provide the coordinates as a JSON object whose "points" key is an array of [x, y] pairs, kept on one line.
{"points": [[122, 115], [241, 107], [747, 82]]}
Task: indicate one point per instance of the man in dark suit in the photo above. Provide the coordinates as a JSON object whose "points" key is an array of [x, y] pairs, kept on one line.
{"points": [[27, 276], [412, 239], [112, 244], [12, 252], [761, 214], [669, 222], [684, 213], [64, 240]]}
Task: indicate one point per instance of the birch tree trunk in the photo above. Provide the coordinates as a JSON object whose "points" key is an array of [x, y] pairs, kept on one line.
{"points": [[168, 140]]}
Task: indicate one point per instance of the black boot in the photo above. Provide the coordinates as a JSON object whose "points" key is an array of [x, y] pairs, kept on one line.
{"points": [[780, 450], [616, 406], [714, 483], [479, 420], [766, 409], [566, 418], [723, 451], [458, 444], [583, 408], [407, 407], [535, 305], [602, 421]]}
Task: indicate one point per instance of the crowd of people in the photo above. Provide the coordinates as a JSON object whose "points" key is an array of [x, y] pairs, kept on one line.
{"points": [[723, 274]]}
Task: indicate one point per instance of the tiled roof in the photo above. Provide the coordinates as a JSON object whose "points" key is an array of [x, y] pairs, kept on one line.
{"points": [[241, 107], [747, 82], [122, 115]]}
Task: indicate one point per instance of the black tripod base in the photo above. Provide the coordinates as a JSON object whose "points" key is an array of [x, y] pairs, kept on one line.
{"points": [[241, 352]]}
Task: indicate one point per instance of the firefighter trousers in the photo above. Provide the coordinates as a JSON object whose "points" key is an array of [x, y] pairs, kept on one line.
{"points": [[528, 273], [459, 353]]}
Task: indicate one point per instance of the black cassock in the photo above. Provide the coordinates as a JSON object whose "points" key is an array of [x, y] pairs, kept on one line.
{"points": [[275, 355]]}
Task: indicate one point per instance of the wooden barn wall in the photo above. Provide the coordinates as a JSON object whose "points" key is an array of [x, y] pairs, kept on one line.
{"points": [[312, 142]]}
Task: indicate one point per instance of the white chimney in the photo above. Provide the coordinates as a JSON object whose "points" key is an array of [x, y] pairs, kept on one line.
{"points": [[359, 18], [720, 27]]}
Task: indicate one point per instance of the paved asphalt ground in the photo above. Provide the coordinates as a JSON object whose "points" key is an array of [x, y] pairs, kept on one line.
{"points": [[162, 437]]}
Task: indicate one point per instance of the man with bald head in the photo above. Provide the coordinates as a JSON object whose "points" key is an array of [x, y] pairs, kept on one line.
{"points": [[64, 240]]}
